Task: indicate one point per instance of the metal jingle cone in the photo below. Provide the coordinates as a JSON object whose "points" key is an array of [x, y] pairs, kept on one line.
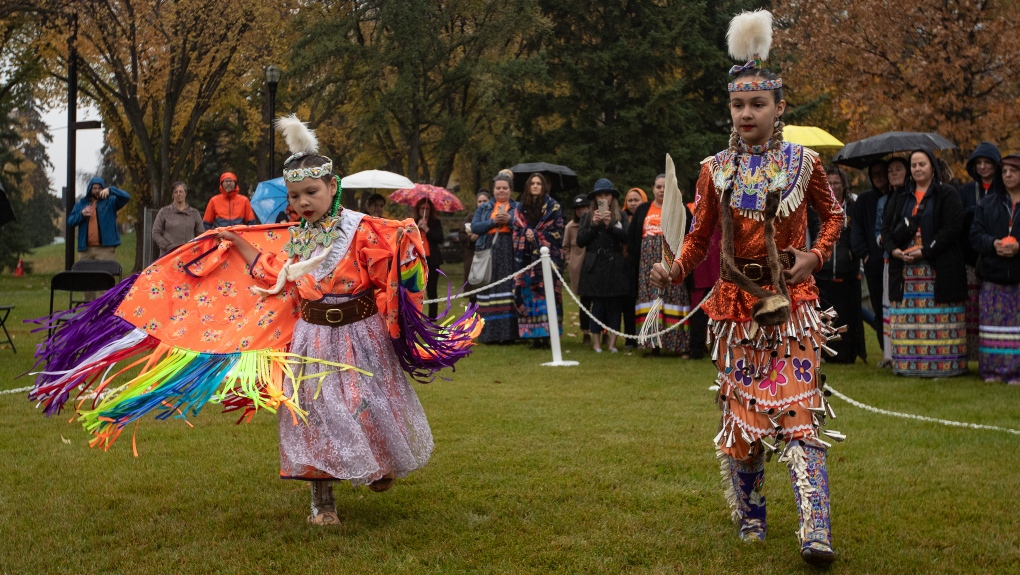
{"points": [[829, 411], [834, 434]]}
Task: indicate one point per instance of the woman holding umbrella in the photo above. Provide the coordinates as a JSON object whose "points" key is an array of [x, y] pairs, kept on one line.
{"points": [[432, 239], [537, 224], [927, 276], [492, 226]]}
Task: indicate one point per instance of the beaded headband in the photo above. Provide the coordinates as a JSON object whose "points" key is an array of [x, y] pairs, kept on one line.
{"points": [[755, 85], [749, 40], [298, 174]]}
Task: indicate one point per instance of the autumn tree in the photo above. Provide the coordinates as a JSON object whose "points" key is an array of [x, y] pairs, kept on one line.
{"points": [[23, 136], [155, 69], [948, 67], [404, 84]]}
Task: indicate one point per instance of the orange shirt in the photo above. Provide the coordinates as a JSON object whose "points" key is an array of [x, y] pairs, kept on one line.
{"points": [[918, 196], [495, 211], [93, 227], [653, 221]]}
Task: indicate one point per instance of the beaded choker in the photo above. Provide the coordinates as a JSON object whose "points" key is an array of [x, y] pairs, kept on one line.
{"points": [[305, 237]]}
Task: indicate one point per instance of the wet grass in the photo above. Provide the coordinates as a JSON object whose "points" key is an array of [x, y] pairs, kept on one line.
{"points": [[606, 467]]}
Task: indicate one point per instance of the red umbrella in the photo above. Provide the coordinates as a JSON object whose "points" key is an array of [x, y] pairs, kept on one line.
{"points": [[442, 199]]}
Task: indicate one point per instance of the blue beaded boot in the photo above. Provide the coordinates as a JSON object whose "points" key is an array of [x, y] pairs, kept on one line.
{"points": [[810, 477]]}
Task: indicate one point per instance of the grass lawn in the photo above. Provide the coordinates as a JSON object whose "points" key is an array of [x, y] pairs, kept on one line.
{"points": [[607, 467]]}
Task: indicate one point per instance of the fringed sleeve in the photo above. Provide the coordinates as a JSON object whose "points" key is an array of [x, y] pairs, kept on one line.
{"points": [[396, 264], [706, 217], [819, 196]]}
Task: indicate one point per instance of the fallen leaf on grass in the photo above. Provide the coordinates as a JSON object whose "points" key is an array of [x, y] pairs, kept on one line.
{"points": [[67, 441]]}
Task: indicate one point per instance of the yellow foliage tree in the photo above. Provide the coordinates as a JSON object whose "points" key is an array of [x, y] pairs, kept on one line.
{"points": [[948, 67], [156, 68]]}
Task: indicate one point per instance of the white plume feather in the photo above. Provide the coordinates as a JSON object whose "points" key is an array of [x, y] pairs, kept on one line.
{"points": [[750, 35], [299, 137]]}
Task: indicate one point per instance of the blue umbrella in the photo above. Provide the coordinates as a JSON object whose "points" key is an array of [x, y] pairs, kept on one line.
{"points": [[269, 199]]}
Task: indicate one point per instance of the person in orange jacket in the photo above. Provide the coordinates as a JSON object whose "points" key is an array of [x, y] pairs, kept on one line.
{"points": [[228, 208]]}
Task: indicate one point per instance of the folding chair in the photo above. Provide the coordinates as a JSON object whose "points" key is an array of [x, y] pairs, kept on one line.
{"points": [[77, 281], [6, 310], [111, 267]]}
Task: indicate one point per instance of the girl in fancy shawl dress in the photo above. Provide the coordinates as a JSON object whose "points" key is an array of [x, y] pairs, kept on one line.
{"points": [[767, 333], [365, 426], [317, 322]]}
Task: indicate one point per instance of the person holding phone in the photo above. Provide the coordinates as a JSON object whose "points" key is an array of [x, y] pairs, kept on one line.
{"points": [[96, 218], [604, 271], [491, 224], [432, 238]]}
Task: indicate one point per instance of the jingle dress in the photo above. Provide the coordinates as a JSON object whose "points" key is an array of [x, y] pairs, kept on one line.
{"points": [[768, 376]]}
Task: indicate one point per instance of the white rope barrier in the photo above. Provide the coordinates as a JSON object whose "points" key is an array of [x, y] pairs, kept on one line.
{"points": [[483, 288], [866, 407], [19, 390], [592, 317]]}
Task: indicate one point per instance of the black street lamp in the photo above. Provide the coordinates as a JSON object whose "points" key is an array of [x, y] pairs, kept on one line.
{"points": [[73, 125], [272, 79]]}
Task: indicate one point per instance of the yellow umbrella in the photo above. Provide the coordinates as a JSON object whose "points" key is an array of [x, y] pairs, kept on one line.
{"points": [[811, 137]]}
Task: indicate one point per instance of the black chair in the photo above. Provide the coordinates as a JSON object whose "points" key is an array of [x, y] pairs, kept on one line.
{"points": [[111, 267], [6, 310], [78, 281]]}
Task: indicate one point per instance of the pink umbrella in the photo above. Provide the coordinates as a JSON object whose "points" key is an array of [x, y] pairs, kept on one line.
{"points": [[442, 199]]}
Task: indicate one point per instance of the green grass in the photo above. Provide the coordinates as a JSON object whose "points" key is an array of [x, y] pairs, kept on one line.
{"points": [[607, 467]]}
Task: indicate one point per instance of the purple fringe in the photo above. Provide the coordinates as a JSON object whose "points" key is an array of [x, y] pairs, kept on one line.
{"points": [[445, 344], [93, 327]]}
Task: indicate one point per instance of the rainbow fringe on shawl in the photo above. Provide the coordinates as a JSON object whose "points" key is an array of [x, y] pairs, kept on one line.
{"points": [[174, 382], [424, 346]]}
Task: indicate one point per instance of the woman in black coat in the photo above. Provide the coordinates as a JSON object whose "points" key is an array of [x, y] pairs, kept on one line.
{"points": [[839, 279], [927, 277], [994, 238], [432, 235], [604, 272]]}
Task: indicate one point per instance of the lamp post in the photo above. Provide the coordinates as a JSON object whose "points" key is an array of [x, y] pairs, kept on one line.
{"points": [[272, 79]]}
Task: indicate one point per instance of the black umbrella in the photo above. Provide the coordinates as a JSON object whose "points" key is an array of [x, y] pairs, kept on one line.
{"points": [[862, 153], [561, 178], [6, 211]]}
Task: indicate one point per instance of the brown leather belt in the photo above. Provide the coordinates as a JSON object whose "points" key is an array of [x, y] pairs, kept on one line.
{"points": [[756, 270], [338, 314]]}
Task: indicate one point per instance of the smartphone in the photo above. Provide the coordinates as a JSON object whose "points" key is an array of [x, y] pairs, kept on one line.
{"points": [[603, 205], [501, 209]]}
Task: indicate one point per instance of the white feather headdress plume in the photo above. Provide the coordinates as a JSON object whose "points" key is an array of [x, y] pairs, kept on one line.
{"points": [[750, 36], [300, 139]]}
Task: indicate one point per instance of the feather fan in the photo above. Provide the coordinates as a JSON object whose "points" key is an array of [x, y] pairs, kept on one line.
{"points": [[674, 226]]}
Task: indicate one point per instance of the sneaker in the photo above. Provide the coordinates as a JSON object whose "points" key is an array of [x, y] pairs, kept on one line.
{"points": [[598, 350], [613, 350]]}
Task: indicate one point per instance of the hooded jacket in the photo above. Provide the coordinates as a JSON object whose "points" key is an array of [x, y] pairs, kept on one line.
{"points": [[973, 192], [106, 211], [863, 239], [992, 221], [228, 208], [940, 224]]}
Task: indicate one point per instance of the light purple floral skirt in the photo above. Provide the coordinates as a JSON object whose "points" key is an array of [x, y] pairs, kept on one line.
{"points": [[359, 427]]}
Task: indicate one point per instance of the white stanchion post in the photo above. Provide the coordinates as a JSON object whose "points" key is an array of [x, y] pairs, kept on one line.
{"points": [[550, 306]]}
